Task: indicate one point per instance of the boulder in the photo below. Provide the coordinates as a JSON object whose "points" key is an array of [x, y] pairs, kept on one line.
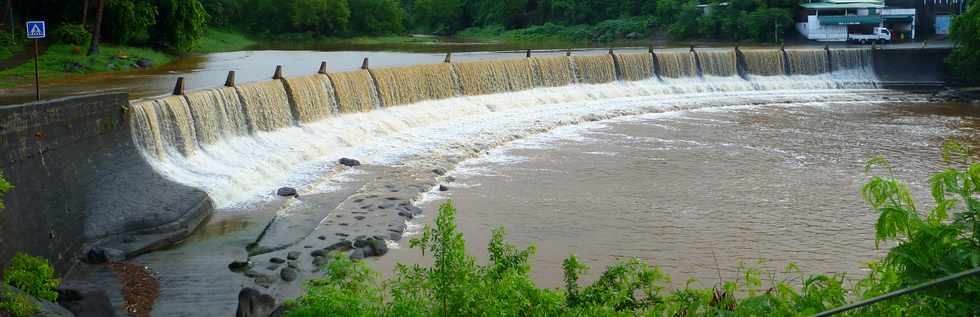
{"points": [[288, 274], [252, 303], [357, 254], [239, 266], [99, 255], [343, 245], [349, 162], [86, 303], [277, 260], [286, 192], [443, 188], [293, 255], [439, 171], [144, 63]]}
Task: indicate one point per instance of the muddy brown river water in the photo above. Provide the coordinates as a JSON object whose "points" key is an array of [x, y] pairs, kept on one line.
{"points": [[701, 192]]}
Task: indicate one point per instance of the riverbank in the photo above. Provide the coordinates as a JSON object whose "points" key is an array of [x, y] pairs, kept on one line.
{"points": [[62, 61]]}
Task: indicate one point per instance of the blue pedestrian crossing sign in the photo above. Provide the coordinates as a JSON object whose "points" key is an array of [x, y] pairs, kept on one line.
{"points": [[35, 30]]}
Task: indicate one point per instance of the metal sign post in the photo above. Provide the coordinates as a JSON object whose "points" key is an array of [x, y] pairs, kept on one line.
{"points": [[36, 31]]}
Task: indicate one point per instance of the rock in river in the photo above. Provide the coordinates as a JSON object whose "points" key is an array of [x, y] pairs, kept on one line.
{"points": [[288, 274], [286, 191], [349, 162]]}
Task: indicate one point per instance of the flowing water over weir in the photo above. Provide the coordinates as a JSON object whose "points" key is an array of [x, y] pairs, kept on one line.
{"points": [[718, 63], [236, 142], [596, 69], [554, 71], [355, 91], [312, 96], [635, 66], [676, 65], [764, 62], [807, 61]]}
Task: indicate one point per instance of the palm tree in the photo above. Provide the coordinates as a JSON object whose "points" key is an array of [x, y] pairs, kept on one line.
{"points": [[94, 48]]}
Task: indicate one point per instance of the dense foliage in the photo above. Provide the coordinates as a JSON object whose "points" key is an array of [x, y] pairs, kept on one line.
{"points": [[173, 24], [965, 32], [930, 245], [598, 20]]}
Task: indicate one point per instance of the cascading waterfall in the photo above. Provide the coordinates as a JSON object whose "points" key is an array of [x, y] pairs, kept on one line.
{"points": [[490, 77], [807, 61], [355, 91], [408, 85], [718, 63], [845, 59], [217, 113], [266, 105], [636, 66], [313, 97], [764, 62], [165, 124], [597, 69], [555, 71], [236, 141], [676, 64]]}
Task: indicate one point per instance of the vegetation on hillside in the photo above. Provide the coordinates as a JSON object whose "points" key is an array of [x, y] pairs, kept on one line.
{"points": [[930, 244]]}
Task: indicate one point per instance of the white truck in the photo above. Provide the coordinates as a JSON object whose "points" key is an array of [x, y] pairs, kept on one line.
{"points": [[879, 35]]}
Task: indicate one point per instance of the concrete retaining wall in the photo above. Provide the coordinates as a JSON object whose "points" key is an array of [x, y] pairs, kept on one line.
{"points": [[81, 181], [912, 66]]}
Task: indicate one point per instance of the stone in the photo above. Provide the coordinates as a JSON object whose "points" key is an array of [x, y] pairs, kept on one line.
{"points": [[450, 179], [378, 247], [286, 192], [144, 63], [320, 261], [252, 303], [357, 254], [318, 253], [349, 162], [443, 188], [252, 273], [292, 264], [288, 274], [272, 267], [86, 303], [439, 171], [292, 255], [277, 260], [343, 245], [239, 266], [98, 255]]}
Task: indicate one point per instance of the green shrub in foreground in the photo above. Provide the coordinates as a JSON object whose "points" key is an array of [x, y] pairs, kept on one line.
{"points": [[16, 305], [943, 242], [33, 275]]}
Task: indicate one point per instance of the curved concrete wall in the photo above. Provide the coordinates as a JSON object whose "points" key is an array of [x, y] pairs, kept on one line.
{"points": [[80, 180]]}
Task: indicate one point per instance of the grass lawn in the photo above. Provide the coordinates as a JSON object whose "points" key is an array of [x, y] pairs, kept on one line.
{"points": [[215, 40], [62, 61]]}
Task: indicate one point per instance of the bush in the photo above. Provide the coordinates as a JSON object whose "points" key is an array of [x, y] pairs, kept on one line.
{"points": [[132, 18], [33, 275], [16, 304], [5, 187], [73, 34]]}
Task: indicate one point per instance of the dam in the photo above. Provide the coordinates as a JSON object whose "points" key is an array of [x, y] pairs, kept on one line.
{"points": [[222, 153]]}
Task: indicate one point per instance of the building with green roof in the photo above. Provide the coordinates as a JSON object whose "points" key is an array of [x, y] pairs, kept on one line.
{"points": [[833, 20]]}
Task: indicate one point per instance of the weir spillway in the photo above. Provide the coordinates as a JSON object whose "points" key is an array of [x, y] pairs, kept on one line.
{"points": [[195, 137]]}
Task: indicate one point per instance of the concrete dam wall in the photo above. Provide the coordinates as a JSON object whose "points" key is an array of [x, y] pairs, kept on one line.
{"points": [[79, 179], [87, 170]]}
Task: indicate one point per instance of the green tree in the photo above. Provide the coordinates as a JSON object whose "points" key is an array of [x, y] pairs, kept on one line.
{"points": [[322, 17], [377, 17], [440, 16], [965, 59], [131, 20], [181, 23]]}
